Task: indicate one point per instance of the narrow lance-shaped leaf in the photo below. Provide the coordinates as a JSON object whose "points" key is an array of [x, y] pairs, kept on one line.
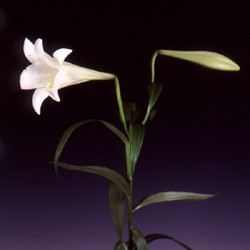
{"points": [[204, 58], [107, 173], [155, 90], [129, 109], [140, 241], [72, 128], [117, 204], [171, 196], [152, 237], [136, 136], [121, 246]]}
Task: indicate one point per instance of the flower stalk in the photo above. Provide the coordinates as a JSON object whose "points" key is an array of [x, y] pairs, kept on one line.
{"points": [[130, 216], [120, 103], [155, 54]]}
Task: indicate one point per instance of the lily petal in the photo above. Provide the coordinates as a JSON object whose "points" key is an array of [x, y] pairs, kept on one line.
{"points": [[43, 56], [54, 92], [81, 74], [70, 74], [39, 96], [29, 51], [61, 54], [36, 76]]}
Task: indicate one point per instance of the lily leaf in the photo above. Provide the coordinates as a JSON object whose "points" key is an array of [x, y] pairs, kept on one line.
{"points": [[129, 110], [120, 246], [155, 90], [73, 127], [204, 58], [107, 173], [152, 114], [154, 93], [117, 204], [136, 136], [152, 237], [171, 196], [140, 241]]}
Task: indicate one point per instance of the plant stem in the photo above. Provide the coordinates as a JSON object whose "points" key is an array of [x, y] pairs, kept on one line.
{"points": [[128, 149], [130, 199], [120, 104], [146, 116], [128, 164], [130, 216], [155, 54]]}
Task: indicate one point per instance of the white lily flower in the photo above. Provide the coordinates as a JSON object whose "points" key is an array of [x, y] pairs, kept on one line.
{"points": [[48, 74]]}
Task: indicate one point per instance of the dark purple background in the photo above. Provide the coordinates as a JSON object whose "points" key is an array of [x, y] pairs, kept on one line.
{"points": [[198, 142]]}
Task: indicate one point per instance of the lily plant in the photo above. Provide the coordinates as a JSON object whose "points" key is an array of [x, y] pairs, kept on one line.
{"points": [[48, 74]]}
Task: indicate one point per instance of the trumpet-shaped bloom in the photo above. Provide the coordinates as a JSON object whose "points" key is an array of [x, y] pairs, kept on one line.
{"points": [[48, 74]]}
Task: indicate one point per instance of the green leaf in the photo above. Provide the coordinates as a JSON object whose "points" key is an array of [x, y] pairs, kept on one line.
{"points": [[120, 246], [136, 136], [155, 90], [171, 196], [140, 241], [73, 127], [117, 203], [204, 58], [129, 109], [152, 114], [107, 173], [152, 237]]}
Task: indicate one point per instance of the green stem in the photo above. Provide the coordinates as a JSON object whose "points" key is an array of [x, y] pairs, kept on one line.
{"points": [[120, 105], [155, 54], [128, 163], [128, 159], [130, 216], [146, 116], [130, 199], [128, 148]]}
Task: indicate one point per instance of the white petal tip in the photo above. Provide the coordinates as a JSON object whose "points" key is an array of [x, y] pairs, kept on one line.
{"points": [[61, 54]]}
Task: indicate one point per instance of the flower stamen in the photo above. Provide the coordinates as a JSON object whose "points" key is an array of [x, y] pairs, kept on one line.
{"points": [[49, 85]]}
